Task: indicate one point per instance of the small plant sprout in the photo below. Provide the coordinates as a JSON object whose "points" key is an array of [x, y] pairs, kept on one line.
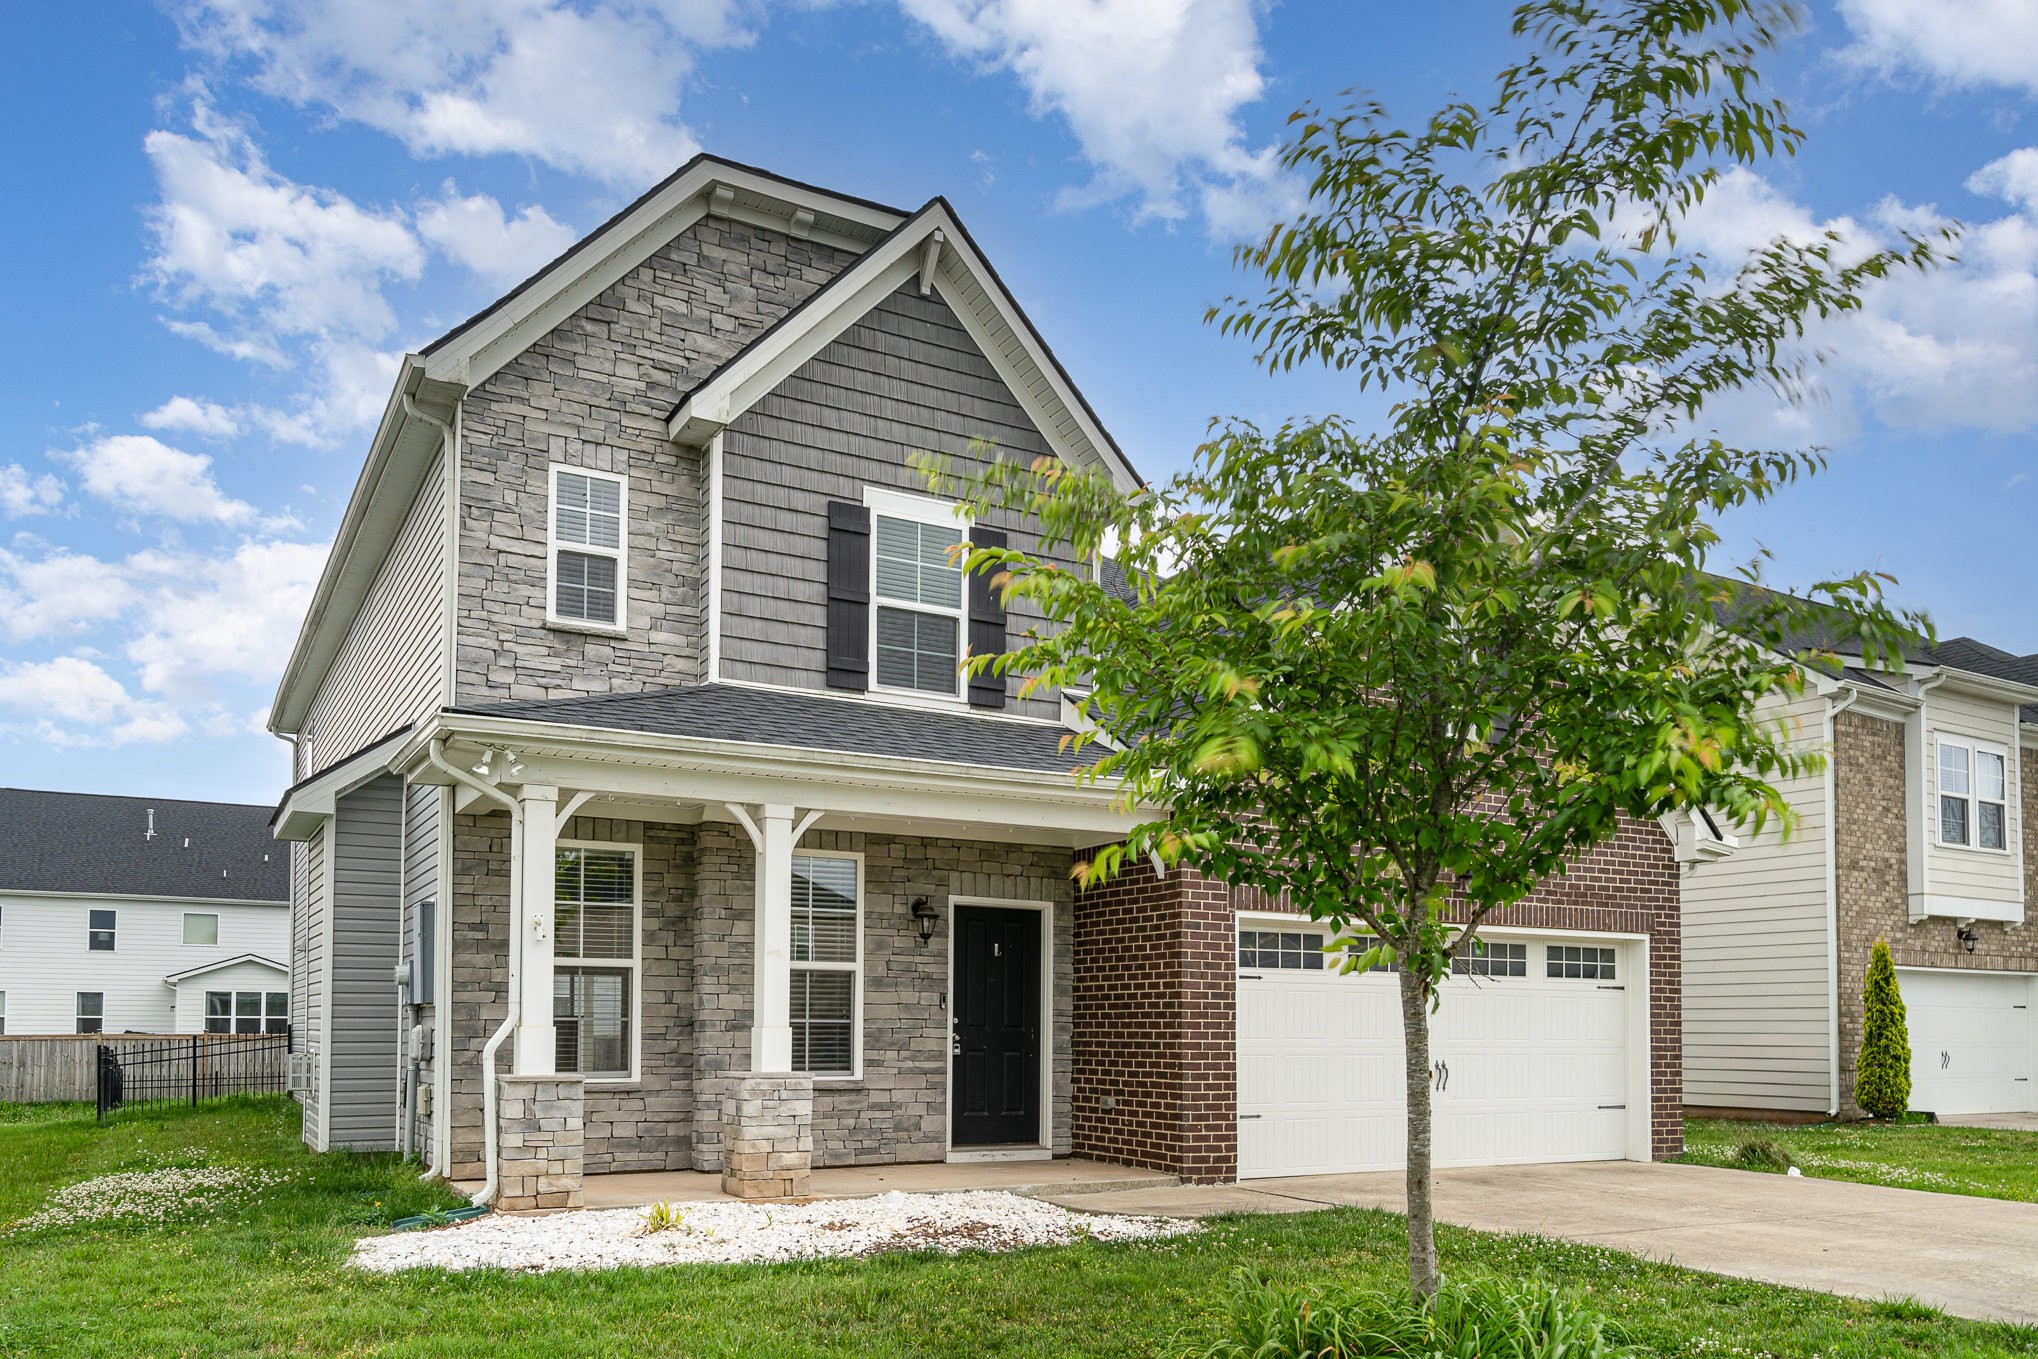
{"points": [[664, 1217]]}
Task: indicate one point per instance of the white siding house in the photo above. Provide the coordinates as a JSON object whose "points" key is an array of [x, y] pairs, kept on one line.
{"points": [[127, 938]]}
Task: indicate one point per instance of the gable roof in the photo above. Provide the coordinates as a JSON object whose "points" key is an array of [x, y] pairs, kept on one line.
{"points": [[778, 717], [430, 384], [933, 246], [188, 973], [93, 844]]}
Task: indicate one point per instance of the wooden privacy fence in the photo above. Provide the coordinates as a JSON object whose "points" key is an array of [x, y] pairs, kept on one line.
{"points": [[37, 1069]]}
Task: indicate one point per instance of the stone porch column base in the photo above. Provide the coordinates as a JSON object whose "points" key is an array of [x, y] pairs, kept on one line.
{"points": [[767, 1134], [539, 1122]]}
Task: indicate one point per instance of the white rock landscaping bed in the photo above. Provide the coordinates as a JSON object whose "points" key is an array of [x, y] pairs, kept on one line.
{"points": [[750, 1233]]}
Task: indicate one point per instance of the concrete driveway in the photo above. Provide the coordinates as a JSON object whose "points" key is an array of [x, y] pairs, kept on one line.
{"points": [[1972, 1257]]}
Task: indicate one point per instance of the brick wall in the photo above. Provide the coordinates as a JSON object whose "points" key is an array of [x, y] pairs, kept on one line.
{"points": [[1872, 886], [1154, 1051]]}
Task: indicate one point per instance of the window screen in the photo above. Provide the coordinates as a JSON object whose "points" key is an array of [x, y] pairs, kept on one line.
{"points": [[587, 587], [917, 651], [591, 1020]]}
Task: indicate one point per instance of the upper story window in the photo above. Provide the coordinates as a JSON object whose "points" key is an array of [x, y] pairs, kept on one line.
{"points": [[589, 547], [201, 927], [1973, 795], [917, 590], [99, 928]]}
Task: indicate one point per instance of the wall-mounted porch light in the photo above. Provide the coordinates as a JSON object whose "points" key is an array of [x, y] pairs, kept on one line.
{"points": [[925, 917], [1967, 937]]}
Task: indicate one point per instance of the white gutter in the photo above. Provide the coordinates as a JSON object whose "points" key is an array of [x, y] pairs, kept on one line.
{"points": [[491, 1152]]}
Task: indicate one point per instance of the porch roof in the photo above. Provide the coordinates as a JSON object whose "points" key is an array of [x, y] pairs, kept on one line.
{"points": [[734, 712]]}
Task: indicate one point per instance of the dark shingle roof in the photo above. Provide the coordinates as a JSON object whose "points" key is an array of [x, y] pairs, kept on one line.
{"points": [[91, 842], [731, 712]]}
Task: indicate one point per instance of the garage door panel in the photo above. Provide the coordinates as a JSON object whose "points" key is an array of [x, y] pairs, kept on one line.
{"points": [[1537, 1070], [1972, 1045]]}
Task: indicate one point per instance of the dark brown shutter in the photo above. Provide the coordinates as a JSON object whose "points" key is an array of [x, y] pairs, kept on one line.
{"points": [[986, 623], [848, 596]]}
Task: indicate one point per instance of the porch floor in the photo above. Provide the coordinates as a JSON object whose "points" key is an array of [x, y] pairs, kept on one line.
{"points": [[1069, 1175]]}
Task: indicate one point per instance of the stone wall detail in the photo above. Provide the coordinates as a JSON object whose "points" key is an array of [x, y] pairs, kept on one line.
{"points": [[766, 1127], [539, 1162]]}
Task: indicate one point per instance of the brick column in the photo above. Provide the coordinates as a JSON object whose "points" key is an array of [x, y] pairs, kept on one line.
{"points": [[539, 1123], [1155, 1009], [767, 1132]]}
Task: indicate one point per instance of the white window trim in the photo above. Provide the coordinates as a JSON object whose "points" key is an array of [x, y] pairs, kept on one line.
{"points": [[1972, 797], [185, 931], [855, 969], [620, 553], [91, 929], [636, 964], [919, 509]]}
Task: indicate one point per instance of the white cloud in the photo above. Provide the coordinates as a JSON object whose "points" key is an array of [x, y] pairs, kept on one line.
{"points": [[207, 418], [71, 701], [62, 593], [208, 619], [2013, 178], [24, 494], [1956, 347], [143, 475], [475, 233], [592, 88], [1151, 90], [1961, 42]]}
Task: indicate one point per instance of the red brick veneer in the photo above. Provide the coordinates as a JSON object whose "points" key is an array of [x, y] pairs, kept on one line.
{"points": [[1156, 1000]]}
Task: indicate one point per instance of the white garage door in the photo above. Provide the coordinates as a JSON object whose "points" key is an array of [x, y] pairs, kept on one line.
{"points": [[1970, 1040], [1530, 1066]]}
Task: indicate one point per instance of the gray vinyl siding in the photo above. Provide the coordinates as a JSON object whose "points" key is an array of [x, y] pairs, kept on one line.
{"points": [[1757, 967], [307, 977], [367, 917], [905, 378], [391, 670], [420, 883]]}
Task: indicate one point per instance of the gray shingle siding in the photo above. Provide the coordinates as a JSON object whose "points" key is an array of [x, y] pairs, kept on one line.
{"points": [[366, 919], [595, 393], [904, 378]]}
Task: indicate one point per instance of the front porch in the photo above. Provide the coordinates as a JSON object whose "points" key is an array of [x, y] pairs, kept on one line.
{"points": [[1070, 1175]]}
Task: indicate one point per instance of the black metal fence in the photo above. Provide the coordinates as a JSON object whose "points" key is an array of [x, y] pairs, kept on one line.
{"points": [[144, 1073]]}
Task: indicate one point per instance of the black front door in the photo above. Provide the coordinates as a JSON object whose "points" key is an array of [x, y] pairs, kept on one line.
{"points": [[995, 1082]]}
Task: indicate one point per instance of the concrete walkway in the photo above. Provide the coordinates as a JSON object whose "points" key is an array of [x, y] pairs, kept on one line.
{"points": [[1972, 1257]]}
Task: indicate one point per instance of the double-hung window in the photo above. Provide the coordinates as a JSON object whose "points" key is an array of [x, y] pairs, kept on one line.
{"points": [[594, 977], [589, 547], [99, 928], [247, 1012], [1973, 795], [918, 596], [91, 1011], [827, 963]]}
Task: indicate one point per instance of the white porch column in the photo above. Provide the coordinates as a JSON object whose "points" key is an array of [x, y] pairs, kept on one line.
{"points": [[771, 1030], [536, 1046]]}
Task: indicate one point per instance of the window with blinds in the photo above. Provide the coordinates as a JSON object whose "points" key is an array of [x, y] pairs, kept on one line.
{"points": [[588, 547], [595, 924], [919, 592], [827, 963]]}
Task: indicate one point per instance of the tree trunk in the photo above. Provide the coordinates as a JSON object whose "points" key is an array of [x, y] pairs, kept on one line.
{"points": [[1422, 1234]]}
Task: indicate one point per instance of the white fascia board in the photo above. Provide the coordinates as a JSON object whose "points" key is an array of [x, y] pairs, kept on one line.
{"points": [[577, 278], [1053, 406], [23, 894], [651, 767], [1986, 686], [257, 958], [307, 806]]}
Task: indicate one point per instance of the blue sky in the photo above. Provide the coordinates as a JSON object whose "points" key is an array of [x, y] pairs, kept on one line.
{"points": [[228, 217]]}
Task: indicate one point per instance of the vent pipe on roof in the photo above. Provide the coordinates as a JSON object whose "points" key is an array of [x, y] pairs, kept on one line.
{"points": [[150, 833]]}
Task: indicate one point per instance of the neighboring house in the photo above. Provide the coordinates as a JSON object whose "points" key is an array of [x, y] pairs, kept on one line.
{"points": [[627, 714], [1913, 832], [140, 915]]}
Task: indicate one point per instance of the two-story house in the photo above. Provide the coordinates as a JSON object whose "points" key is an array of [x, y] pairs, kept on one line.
{"points": [[630, 735], [1913, 832], [140, 915]]}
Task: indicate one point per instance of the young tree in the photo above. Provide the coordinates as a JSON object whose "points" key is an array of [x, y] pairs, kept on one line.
{"points": [[1882, 1074], [1402, 676]]}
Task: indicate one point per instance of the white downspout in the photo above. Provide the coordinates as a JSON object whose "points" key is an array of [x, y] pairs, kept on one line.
{"points": [[1834, 707], [490, 1152]]}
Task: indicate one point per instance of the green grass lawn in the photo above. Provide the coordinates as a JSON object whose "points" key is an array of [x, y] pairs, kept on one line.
{"points": [[265, 1274], [1986, 1162]]}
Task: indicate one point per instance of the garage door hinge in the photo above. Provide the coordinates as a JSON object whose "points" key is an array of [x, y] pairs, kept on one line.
{"points": [[1613, 1106]]}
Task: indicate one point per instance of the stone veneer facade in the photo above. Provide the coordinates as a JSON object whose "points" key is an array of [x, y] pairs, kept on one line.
{"points": [[694, 980], [539, 1152], [1872, 884], [1156, 1000]]}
